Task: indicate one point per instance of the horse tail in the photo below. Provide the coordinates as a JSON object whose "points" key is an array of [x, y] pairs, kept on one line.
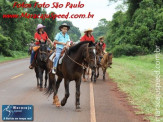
{"points": [[51, 84]]}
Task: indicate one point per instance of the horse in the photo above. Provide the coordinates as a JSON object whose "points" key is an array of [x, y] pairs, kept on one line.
{"points": [[41, 63], [106, 62], [70, 69], [99, 55]]}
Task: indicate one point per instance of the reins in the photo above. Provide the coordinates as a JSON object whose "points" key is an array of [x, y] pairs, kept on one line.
{"points": [[82, 65], [76, 62]]}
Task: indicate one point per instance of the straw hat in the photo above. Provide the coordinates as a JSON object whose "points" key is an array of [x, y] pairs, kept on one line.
{"points": [[101, 37], [88, 30]]}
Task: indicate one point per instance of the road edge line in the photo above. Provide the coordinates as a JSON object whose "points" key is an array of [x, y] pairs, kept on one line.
{"points": [[92, 104]]}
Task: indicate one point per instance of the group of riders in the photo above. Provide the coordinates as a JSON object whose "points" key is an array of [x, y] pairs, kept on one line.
{"points": [[61, 41], [69, 61]]}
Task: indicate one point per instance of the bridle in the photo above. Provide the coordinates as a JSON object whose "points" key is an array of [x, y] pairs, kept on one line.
{"points": [[82, 65]]}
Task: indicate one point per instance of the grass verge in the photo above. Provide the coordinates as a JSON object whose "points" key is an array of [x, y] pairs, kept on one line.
{"points": [[16, 55], [136, 77]]}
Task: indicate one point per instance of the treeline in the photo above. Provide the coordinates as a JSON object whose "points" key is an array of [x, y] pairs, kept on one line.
{"points": [[136, 31], [16, 33]]}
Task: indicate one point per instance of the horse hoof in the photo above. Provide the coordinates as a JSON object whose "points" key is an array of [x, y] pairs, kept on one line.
{"points": [[41, 89], [84, 79], [78, 109], [63, 103], [58, 105]]}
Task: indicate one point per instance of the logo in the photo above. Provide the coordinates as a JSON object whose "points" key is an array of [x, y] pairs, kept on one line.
{"points": [[17, 112]]}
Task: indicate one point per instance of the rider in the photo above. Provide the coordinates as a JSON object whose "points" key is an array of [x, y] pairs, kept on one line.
{"points": [[88, 36], [101, 42], [61, 40], [40, 36], [31, 45]]}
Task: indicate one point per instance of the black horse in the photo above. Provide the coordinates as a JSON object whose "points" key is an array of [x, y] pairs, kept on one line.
{"points": [[37, 76], [41, 64], [71, 69]]}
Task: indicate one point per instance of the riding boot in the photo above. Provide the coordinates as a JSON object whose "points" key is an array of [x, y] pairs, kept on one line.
{"points": [[33, 64]]}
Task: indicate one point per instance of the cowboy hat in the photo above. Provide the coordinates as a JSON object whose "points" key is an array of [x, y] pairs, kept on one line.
{"points": [[64, 25], [88, 30], [40, 26], [101, 37]]}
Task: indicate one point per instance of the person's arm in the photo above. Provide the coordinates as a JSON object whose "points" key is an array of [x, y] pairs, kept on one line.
{"points": [[93, 39], [82, 38], [104, 48], [36, 37], [36, 40], [57, 42], [50, 42]]}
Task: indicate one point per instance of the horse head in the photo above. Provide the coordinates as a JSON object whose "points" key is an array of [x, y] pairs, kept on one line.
{"points": [[43, 52], [109, 58], [90, 55]]}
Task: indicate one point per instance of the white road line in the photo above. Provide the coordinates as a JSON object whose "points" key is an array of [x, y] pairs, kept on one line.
{"points": [[92, 104], [17, 76]]}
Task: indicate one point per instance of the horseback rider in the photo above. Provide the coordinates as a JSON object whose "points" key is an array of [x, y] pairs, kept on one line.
{"points": [[88, 36], [40, 36], [61, 40], [31, 45], [101, 43]]}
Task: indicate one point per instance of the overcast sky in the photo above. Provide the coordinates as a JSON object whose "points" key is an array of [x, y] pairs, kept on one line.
{"points": [[99, 8]]}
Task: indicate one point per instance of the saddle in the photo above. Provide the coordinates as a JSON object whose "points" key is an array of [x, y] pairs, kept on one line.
{"points": [[61, 57]]}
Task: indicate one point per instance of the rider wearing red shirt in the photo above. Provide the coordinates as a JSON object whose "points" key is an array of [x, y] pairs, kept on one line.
{"points": [[88, 36], [101, 42], [42, 36]]}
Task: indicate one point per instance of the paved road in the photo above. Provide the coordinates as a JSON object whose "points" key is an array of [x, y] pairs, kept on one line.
{"points": [[98, 103]]}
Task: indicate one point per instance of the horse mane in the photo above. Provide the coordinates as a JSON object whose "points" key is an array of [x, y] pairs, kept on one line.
{"points": [[77, 46]]}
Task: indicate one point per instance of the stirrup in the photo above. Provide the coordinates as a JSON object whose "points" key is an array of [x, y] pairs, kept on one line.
{"points": [[31, 67]]}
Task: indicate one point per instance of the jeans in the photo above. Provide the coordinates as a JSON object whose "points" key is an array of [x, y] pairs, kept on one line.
{"points": [[48, 48], [56, 59], [32, 56]]}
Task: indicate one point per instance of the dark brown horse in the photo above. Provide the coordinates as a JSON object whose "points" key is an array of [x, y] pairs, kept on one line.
{"points": [[41, 63], [71, 69], [99, 55]]}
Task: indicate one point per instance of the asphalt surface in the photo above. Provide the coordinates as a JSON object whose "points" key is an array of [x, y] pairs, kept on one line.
{"points": [[98, 103]]}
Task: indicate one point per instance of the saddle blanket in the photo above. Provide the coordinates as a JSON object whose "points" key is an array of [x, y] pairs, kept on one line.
{"points": [[52, 57]]}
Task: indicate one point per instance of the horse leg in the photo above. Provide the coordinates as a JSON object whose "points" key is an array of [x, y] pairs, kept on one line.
{"points": [[67, 94], [104, 71], [93, 75], [97, 72], [37, 76], [89, 73], [46, 77], [55, 97], [41, 77], [78, 83], [84, 74]]}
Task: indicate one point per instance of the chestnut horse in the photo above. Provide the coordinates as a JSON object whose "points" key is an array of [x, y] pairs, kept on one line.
{"points": [[106, 62], [71, 69]]}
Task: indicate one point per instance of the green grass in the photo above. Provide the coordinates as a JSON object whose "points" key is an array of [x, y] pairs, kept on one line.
{"points": [[16, 55], [135, 76]]}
